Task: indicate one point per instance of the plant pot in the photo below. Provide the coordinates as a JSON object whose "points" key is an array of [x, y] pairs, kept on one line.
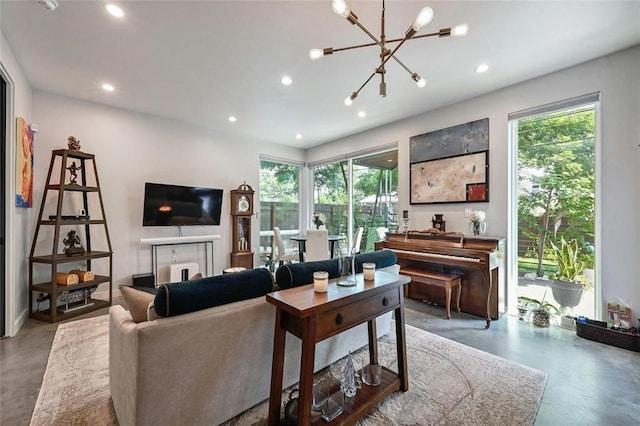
{"points": [[541, 318], [567, 294]]}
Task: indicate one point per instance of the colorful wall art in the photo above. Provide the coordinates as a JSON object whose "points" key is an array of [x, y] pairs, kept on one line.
{"points": [[24, 164], [450, 165]]}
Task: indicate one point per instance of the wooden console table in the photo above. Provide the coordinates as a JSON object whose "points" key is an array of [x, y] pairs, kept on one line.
{"points": [[313, 317]]}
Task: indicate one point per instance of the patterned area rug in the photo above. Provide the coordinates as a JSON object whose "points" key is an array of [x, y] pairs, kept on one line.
{"points": [[449, 383]]}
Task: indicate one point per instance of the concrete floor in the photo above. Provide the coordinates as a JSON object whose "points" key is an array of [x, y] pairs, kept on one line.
{"points": [[588, 383]]}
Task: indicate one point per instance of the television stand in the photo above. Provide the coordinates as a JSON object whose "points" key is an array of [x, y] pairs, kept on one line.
{"points": [[207, 240]]}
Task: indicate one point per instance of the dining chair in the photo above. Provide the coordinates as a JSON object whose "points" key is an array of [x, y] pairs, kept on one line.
{"points": [[357, 241], [284, 255], [381, 232], [317, 246]]}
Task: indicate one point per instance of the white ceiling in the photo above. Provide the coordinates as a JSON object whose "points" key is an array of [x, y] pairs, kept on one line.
{"points": [[201, 61]]}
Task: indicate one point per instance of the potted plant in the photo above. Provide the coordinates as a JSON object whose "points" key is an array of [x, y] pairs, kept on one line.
{"points": [[540, 309], [568, 283]]}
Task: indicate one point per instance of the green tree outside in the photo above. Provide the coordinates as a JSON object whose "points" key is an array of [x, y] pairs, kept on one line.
{"points": [[558, 150]]}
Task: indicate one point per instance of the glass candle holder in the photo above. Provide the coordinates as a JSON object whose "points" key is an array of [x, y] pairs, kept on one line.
{"points": [[320, 281], [369, 271]]}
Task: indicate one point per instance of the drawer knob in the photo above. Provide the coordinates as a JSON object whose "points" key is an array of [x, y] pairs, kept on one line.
{"points": [[339, 319], [385, 302]]}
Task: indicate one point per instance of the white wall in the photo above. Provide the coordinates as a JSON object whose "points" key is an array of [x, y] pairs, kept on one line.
{"points": [[17, 246], [617, 78], [131, 149]]}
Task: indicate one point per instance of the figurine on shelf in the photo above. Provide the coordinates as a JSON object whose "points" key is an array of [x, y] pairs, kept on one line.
{"points": [[72, 244], [73, 169], [74, 144]]}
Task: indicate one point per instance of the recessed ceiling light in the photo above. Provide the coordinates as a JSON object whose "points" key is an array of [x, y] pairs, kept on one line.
{"points": [[232, 119], [298, 136], [286, 80], [362, 114], [108, 87], [482, 68], [114, 10]]}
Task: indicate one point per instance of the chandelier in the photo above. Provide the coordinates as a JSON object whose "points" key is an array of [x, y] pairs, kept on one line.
{"points": [[424, 17]]}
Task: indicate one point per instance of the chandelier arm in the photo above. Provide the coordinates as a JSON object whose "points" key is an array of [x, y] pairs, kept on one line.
{"points": [[340, 49], [393, 52], [367, 81], [378, 42], [381, 67], [395, 40], [402, 64], [441, 33]]}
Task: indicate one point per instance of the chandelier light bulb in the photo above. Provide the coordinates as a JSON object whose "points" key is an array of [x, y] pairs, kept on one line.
{"points": [[482, 68], [114, 10], [341, 8], [424, 17], [421, 82], [460, 30], [349, 99], [316, 54]]}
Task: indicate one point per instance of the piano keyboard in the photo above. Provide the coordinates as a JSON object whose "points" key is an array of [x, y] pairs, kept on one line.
{"points": [[436, 255]]}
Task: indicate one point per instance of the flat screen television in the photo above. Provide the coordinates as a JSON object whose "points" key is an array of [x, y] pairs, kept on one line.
{"points": [[175, 205]]}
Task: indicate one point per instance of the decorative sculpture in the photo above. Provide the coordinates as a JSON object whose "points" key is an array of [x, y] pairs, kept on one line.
{"points": [[349, 385], [74, 144], [73, 169], [72, 244]]}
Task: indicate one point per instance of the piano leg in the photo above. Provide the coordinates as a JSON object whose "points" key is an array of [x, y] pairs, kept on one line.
{"points": [[487, 283]]}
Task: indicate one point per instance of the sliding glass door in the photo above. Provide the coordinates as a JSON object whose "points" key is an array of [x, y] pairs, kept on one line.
{"points": [[331, 195], [360, 191], [279, 204], [375, 196]]}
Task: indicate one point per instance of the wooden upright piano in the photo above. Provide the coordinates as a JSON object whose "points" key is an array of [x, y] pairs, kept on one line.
{"points": [[481, 259]]}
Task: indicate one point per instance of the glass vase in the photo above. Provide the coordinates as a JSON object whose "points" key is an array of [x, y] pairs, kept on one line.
{"points": [[477, 227], [346, 264]]}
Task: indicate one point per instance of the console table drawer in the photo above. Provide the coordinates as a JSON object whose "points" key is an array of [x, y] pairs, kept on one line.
{"points": [[340, 319]]}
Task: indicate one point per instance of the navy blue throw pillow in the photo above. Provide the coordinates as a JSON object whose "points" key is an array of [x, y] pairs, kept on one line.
{"points": [[382, 259], [297, 274], [181, 298]]}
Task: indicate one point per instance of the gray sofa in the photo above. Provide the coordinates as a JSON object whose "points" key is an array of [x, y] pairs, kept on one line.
{"points": [[205, 367]]}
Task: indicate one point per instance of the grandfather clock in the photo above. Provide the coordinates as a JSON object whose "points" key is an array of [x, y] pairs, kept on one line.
{"points": [[241, 212]]}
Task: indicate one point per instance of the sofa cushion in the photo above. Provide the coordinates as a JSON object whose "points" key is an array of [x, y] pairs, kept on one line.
{"points": [[382, 259], [181, 298], [137, 301], [297, 274]]}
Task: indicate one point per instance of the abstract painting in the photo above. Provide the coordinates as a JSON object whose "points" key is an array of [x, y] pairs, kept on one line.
{"points": [[450, 165]]}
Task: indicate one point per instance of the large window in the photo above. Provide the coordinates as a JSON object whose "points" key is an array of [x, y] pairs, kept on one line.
{"points": [[360, 191], [556, 205], [279, 203]]}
